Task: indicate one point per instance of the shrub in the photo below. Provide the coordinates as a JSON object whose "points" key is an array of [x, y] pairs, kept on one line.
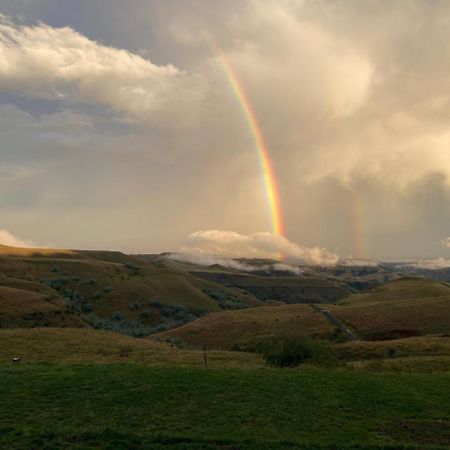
{"points": [[155, 303], [225, 299], [133, 268], [146, 314], [54, 283], [291, 352], [123, 326], [200, 312], [86, 307], [134, 306], [392, 352], [117, 316]]}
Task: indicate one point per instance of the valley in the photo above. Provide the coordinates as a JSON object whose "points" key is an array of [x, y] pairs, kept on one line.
{"points": [[187, 348]]}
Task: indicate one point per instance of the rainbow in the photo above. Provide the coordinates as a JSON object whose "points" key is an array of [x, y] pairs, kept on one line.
{"points": [[268, 175]]}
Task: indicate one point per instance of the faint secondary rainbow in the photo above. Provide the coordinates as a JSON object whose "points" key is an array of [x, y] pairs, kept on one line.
{"points": [[270, 183]]}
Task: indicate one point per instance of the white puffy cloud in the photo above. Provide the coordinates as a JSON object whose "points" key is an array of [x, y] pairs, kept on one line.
{"points": [[6, 238], [229, 263], [258, 245], [428, 264], [44, 62]]}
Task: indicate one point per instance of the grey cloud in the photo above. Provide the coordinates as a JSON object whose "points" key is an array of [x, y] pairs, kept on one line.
{"points": [[61, 64], [353, 99]]}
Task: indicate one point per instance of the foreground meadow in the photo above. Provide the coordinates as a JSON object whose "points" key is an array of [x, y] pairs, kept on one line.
{"points": [[132, 406]]}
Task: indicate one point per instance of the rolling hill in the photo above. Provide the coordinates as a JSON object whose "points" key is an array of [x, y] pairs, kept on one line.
{"points": [[234, 329], [401, 308], [406, 307], [100, 285], [88, 346]]}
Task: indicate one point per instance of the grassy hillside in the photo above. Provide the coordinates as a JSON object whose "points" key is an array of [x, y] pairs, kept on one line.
{"points": [[408, 347], [99, 284], [415, 354], [402, 308], [57, 345], [132, 406], [22, 308], [240, 328], [406, 307], [290, 289]]}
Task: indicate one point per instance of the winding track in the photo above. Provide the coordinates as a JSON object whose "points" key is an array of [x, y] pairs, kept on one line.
{"points": [[337, 322]]}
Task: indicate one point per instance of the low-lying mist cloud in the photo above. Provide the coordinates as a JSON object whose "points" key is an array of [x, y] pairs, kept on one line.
{"points": [[446, 242], [258, 245], [7, 238], [430, 264], [229, 263]]}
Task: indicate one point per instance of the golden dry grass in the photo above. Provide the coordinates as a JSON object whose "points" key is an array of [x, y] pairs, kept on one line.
{"points": [[107, 280], [21, 308], [401, 308], [66, 345], [401, 289], [226, 329], [409, 347], [31, 252]]}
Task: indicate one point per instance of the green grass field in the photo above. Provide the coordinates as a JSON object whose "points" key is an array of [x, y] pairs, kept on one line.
{"points": [[132, 406]]}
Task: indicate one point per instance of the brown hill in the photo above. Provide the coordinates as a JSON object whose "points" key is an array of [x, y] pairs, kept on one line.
{"points": [[401, 308], [102, 283], [234, 329], [25, 308]]}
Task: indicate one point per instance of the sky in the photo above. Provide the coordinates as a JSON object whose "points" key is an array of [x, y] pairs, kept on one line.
{"points": [[120, 129]]}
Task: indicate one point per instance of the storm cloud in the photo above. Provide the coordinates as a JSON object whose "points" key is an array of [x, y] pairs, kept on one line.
{"points": [[126, 134]]}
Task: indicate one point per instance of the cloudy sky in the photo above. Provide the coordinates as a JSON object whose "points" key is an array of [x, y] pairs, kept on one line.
{"points": [[120, 130]]}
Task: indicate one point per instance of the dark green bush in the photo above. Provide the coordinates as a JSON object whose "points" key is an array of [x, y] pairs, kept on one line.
{"points": [[117, 316], [200, 312], [86, 307], [292, 352], [134, 306], [123, 326], [225, 299], [146, 314], [155, 303]]}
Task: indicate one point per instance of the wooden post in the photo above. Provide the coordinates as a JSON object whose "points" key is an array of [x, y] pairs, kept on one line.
{"points": [[204, 356]]}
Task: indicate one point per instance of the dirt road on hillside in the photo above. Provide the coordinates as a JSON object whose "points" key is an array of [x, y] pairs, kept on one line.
{"points": [[334, 320]]}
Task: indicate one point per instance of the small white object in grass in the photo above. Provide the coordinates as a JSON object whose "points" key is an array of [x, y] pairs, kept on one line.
{"points": [[16, 359]]}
